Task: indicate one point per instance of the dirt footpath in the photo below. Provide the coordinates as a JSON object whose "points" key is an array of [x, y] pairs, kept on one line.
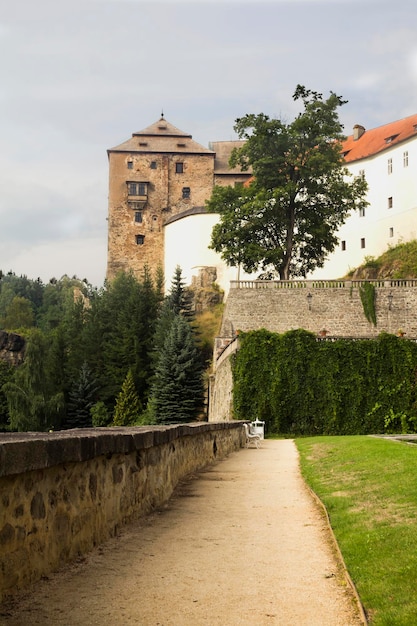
{"points": [[242, 543]]}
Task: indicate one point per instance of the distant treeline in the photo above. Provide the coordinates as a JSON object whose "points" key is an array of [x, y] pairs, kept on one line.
{"points": [[120, 355]]}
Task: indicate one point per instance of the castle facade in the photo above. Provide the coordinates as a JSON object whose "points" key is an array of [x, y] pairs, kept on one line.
{"points": [[160, 178]]}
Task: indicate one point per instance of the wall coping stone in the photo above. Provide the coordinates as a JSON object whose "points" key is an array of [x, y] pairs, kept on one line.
{"points": [[23, 452]]}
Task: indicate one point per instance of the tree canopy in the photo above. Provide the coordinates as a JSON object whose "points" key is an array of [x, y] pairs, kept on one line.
{"points": [[285, 221]]}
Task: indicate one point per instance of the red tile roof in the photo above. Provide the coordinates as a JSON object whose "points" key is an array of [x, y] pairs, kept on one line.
{"points": [[376, 140]]}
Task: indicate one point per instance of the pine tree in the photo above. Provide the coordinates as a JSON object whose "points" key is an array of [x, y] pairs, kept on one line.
{"points": [[178, 390], [82, 397], [128, 407]]}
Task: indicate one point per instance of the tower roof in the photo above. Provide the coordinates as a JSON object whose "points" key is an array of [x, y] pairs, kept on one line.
{"points": [[161, 136]]}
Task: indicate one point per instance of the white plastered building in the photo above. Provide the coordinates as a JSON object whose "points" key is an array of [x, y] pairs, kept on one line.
{"points": [[387, 157]]}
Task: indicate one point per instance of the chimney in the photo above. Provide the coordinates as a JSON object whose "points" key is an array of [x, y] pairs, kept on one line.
{"points": [[358, 131]]}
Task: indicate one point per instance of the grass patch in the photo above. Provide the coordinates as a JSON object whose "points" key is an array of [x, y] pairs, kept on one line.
{"points": [[369, 488]]}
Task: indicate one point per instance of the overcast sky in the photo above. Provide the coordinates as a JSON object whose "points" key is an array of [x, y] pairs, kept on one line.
{"points": [[79, 77]]}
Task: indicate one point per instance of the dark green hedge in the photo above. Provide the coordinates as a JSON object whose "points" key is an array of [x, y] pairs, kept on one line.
{"points": [[299, 384]]}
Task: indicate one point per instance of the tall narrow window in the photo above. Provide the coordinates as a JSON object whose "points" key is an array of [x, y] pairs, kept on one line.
{"points": [[390, 205], [362, 174], [405, 158], [130, 165], [186, 192], [391, 232], [343, 245], [362, 242], [362, 211], [138, 217], [389, 166], [179, 167]]}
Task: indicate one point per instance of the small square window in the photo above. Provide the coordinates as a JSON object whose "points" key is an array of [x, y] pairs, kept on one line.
{"points": [[186, 192], [130, 165], [343, 245], [179, 167], [362, 242], [390, 202], [389, 166], [391, 232], [153, 165], [138, 217], [140, 240]]}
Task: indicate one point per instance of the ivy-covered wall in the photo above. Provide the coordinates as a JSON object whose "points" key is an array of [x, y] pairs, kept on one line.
{"points": [[299, 384]]}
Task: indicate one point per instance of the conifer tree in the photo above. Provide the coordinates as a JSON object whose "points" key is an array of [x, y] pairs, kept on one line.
{"points": [[178, 390], [128, 407], [82, 397]]}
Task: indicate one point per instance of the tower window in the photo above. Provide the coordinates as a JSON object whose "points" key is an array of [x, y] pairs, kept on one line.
{"points": [[179, 167], [391, 232], [390, 202], [389, 166], [186, 192], [405, 158], [140, 240], [138, 217], [137, 189], [362, 242], [362, 211], [343, 245]]}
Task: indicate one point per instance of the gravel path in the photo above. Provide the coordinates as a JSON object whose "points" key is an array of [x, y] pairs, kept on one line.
{"points": [[242, 543]]}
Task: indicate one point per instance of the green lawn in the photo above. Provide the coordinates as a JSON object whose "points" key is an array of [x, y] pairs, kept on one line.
{"points": [[369, 488]]}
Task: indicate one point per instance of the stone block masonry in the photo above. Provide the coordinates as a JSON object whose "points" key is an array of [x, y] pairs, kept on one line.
{"points": [[63, 493], [334, 305]]}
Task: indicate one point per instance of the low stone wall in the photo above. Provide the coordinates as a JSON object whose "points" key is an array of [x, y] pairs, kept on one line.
{"points": [[63, 493]]}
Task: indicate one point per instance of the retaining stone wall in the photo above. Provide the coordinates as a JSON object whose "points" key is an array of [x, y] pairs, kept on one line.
{"points": [[63, 493], [338, 309]]}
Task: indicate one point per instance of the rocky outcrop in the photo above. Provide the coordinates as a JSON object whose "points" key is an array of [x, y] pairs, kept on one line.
{"points": [[12, 348], [205, 291]]}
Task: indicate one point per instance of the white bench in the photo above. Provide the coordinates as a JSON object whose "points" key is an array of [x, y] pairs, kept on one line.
{"points": [[252, 438]]}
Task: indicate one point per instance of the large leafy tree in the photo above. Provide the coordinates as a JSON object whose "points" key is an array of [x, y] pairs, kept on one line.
{"points": [[285, 221], [33, 402]]}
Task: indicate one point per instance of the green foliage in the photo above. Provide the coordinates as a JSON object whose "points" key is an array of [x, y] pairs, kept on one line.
{"points": [[298, 384], [367, 296], [19, 314], [178, 391], [6, 373], [99, 414], [33, 403], [111, 329], [398, 262], [128, 406], [285, 221]]}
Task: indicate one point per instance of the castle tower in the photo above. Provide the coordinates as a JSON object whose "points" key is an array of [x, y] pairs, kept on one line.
{"points": [[159, 180], [159, 173]]}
